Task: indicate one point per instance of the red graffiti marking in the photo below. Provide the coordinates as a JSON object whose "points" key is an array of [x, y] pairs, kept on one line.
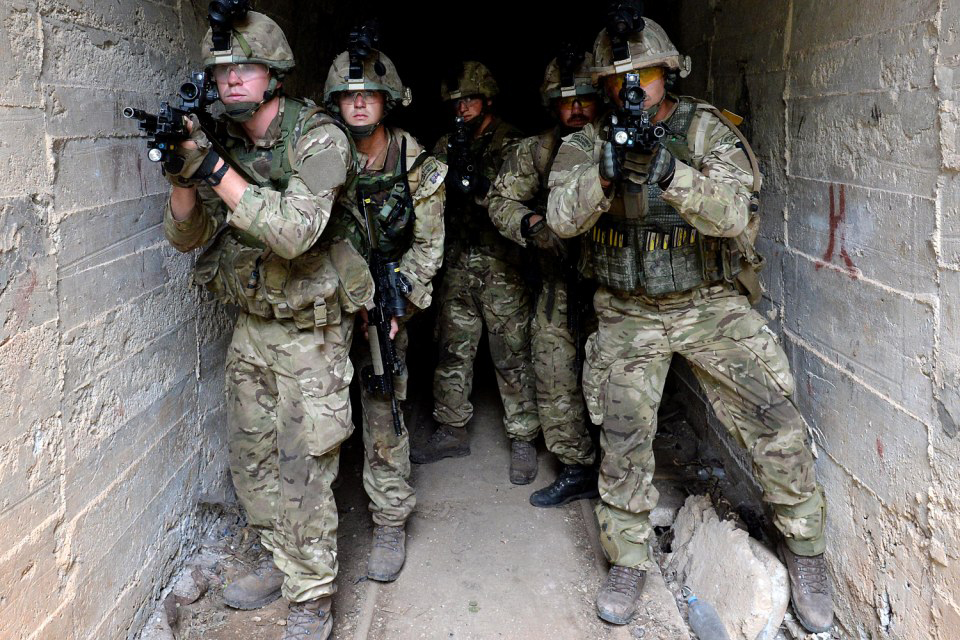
{"points": [[880, 448], [838, 215], [21, 306]]}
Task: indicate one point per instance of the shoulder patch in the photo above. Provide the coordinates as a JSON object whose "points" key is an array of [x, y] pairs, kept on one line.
{"points": [[582, 141], [432, 172]]}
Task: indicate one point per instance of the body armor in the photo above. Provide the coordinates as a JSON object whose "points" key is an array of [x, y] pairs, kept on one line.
{"points": [[642, 245]]}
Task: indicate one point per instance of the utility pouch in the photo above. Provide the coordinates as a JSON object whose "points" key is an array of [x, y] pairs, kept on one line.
{"points": [[613, 249], [225, 269]]}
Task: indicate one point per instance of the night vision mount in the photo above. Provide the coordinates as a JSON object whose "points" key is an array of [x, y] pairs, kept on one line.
{"points": [[362, 42], [623, 20], [568, 61], [221, 15]]}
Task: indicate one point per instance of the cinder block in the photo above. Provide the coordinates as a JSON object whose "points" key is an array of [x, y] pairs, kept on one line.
{"points": [[882, 447], [102, 234], [93, 291], [888, 237], [29, 377], [28, 280], [23, 517], [29, 581], [28, 463], [94, 173], [92, 348], [820, 22], [19, 54], [23, 160], [155, 24], [89, 475], [882, 140], [881, 338], [96, 411], [95, 112], [948, 195]]}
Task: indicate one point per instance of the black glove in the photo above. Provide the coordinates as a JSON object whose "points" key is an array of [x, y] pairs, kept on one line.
{"points": [[186, 159]]}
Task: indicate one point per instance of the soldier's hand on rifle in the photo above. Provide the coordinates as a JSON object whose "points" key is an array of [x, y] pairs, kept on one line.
{"points": [[610, 170], [365, 323], [541, 236], [653, 167], [188, 156]]}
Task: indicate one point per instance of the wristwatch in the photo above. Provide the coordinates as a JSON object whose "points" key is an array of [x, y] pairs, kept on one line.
{"points": [[527, 230]]}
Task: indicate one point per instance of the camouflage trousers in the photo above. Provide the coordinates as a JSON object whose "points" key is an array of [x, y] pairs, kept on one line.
{"points": [[386, 464], [480, 290], [745, 375], [288, 410], [559, 397]]}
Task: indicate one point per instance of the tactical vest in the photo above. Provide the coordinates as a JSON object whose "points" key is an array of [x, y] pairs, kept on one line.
{"points": [[386, 195], [240, 270], [642, 245], [468, 225]]}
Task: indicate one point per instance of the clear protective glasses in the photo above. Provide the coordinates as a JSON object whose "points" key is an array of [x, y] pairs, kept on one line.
{"points": [[246, 71], [368, 95]]}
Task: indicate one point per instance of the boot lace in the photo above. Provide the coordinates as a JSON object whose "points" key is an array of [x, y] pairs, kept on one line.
{"points": [[303, 621], [522, 451], [812, 574], [387, 537], [624, 580]]}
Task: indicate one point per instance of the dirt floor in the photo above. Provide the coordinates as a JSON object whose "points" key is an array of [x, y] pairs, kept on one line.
{"points": [[481, 562]]}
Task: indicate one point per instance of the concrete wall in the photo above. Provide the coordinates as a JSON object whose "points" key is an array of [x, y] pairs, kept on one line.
{"points": [[110, 378], [851, 108]]}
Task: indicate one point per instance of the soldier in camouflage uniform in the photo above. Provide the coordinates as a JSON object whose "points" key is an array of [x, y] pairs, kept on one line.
{"points": [[670, 236], [402, 189], [482, 286], [517, 207], [261, 211]]}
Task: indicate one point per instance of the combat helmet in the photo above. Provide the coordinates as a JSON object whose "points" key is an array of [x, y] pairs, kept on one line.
{"points": [[379, 74], [569, 74], [256, 38], [641, 44], [473, 80]]}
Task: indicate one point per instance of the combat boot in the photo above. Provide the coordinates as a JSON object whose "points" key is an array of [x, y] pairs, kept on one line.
{"points": [[388, 553], [256, 588], [445, 442], [810, 590], [575, 482], [310, 620], [523, 462], [617, 598]]}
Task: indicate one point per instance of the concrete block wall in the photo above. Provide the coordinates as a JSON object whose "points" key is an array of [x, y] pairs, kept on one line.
{"points": [[111, 426], [852, 110]]}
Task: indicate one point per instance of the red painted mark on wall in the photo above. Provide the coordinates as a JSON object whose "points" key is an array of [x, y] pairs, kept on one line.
{"points": [[880, 448], [838, 233]]}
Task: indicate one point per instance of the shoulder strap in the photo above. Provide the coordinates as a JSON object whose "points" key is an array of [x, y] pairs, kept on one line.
{"points": [[545, 153]]}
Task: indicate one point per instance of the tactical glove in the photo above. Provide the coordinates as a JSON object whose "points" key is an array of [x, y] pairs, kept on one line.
{"points": [[180, 168], [661, 168], [649, 168], [609, 163]]}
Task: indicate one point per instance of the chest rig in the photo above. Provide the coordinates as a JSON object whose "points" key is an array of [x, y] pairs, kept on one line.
{"points": [[468, 225], [386, 195], [642, 245]]}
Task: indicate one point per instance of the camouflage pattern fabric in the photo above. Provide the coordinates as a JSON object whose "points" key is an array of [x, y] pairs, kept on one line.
{"points": [[264, 41], [288, 406], [386, 464], [386, 467], [288, 367], [480, 290], [554, 348], [736, 358]]}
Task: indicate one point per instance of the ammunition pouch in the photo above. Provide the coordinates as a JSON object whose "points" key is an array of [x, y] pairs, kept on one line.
{"points": [[311, 290], [631, 257]]}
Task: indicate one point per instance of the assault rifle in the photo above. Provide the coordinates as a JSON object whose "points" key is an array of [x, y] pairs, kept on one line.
{"points": [[166, 129], [630, 126], [388, 303], [463, 166]]}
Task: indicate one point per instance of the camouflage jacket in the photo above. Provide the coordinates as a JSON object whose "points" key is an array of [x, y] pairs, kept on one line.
{"points": [[423, 257], [467, 219], [521, 183], [711, 192], [266, 256]]}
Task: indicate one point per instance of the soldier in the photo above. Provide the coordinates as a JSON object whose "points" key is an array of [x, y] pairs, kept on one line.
{"points": [[402, 191], [482, 286], [517, 206], [287, 367], [671, 228]]}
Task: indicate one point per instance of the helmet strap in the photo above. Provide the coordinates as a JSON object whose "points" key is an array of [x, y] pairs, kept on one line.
{"points": [[245, 111], [364, 131]]}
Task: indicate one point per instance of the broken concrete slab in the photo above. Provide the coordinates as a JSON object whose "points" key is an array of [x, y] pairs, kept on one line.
{"points": [[721, 564]]}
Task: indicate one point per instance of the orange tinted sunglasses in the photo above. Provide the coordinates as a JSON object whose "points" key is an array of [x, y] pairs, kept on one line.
{"points": [[644, 76], [586, 101]]}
